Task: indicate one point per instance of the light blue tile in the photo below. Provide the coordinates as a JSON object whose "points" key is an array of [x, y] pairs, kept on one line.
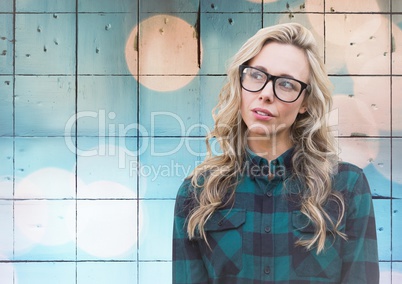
{"points": [[397, 19], [44, 168], [44, 230], [45, 273], [45, 6], [45, 38], [396, 168], [343, 85], [6, 6], [385, 272], [6, 106], [6, 233], [170, 113], [6, 167], [378, 172], [396, 272], [106, 6], [396, 230], [210, 87], [148, 275], [6, 43], [396, 107], [165, 163], [222, 35], [379, 184], [7, 272], [107, 273], [383, 223], [396, 6], [107, 105], [215, 148], [156, 223], [107, 230], [169, 6], [25, 250], [293, 6], [223, 6], [102, 41], [106, 167], [44, 106]]}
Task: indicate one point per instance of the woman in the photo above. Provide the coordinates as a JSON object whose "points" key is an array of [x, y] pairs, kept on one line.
{"points": [[276, 206]]}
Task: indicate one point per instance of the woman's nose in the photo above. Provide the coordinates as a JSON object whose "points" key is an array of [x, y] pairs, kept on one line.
{"points": [[267, 93]]}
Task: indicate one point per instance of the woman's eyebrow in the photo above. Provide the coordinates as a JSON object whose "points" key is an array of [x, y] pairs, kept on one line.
{"points": [[262, 68]]}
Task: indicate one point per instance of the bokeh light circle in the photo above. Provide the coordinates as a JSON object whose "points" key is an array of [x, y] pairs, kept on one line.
{"points": [[106, 228], [47, 183], [169, 53], [45, 222]]}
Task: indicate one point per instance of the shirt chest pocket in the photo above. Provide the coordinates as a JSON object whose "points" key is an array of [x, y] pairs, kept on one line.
{"points": [[327, 264], [225, 238]]}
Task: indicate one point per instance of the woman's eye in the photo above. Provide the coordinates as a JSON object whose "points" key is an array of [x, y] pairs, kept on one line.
{"points": [[257, 75], [287, 84]]}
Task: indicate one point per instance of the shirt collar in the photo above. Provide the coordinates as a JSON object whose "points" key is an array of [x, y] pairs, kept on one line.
{"points": [[258, 166]]}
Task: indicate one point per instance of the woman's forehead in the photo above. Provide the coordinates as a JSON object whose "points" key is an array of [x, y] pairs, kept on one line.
{"points": [[282, 60]]}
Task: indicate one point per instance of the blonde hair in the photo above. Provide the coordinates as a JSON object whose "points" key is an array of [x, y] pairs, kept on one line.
{"points": [[314, 160]]}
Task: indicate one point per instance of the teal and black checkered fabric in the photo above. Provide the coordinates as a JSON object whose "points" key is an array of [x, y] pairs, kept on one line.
{"points": [[253, 241]]}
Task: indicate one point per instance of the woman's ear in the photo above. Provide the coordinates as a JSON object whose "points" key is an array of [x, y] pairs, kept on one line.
{"points": [[302, 109]]}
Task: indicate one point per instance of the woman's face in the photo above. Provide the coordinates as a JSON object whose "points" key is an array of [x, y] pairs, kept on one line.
{"points": [[263, 113]]}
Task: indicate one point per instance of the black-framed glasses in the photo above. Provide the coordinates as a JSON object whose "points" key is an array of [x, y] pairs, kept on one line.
{"points": [[285, 89]]}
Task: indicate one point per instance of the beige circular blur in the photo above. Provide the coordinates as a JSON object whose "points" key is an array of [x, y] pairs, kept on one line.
{"points": [[163, 53]]}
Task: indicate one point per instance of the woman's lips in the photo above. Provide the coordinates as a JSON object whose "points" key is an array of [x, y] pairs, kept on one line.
{"points": [[262, 114]]}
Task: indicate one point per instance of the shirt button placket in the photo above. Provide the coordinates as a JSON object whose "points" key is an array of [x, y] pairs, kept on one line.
{"points": [[266, 231]]}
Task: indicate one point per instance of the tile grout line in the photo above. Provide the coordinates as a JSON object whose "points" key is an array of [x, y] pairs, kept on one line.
{"points": [[76, 141], [391, 131], [138, 144], [14, 179]]}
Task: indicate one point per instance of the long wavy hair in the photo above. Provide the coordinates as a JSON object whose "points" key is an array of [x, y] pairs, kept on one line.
{"points": [[315, 157]]}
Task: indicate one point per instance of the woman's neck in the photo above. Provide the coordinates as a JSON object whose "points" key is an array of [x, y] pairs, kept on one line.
{"points": [[269, 148]]}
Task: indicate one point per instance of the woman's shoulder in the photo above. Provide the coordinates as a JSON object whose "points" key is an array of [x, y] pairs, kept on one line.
{"points": [[184, 187], [350, 177], [188, 192], [348, 168], [185, 199]]}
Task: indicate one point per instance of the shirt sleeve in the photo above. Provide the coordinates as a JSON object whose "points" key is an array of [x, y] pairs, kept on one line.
{"points": [[360, 252], [187, 263]]}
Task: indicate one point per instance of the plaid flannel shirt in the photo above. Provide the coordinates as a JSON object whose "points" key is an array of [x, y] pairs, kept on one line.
{"points": [[253, 240]]}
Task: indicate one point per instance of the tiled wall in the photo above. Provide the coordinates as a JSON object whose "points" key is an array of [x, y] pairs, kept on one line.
{"points": [[103, 105]]}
